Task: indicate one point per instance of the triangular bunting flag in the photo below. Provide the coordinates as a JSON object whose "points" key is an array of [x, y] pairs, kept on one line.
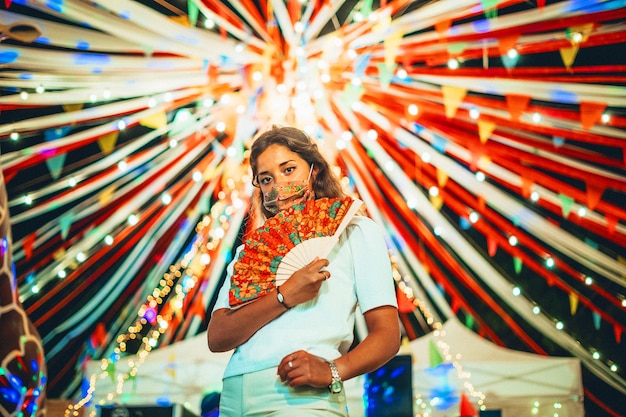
{"points": [[516, 105], [509, 61], [491, 8], [28, 243], [107, 142], [436, 201], [105, 195], [455, 49], [192, 12], [566, 205], [590, 113], [155, 120], [392, 44], [485, 129], [527, 186], [594, 194], [573, 303], [452, 99], [182, 19], [384, 75], [466, 409], [517, 264], [568, 55], [507, 43], [55, 165], [442, 27], [404, 304], [597, 320], [442, 178], [611, 223], [65, 223], [435, 357], [110, 370], [492, 246], [72, 107], [558, 141]]}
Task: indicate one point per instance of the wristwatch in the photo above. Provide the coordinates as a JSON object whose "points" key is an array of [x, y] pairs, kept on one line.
{"points": [[336, 384]]}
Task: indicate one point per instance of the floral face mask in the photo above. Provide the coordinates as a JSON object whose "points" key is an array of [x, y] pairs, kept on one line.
{"points": [[285, 195]]}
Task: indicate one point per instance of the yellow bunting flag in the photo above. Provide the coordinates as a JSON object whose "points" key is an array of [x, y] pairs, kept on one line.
{"points": [[107, 142], [568, 55], [436, 201], [72, 107], [60, 254], [452, 99], [485, 129], [590, 113], [181, 20], [573, 303], [105, 196], [392, 44], [442, 178], [155, 120]]}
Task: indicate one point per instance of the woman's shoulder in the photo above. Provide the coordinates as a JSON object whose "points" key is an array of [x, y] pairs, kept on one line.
{"points": [[364, 223]]}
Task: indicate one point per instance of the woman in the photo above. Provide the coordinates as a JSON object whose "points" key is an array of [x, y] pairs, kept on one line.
{"points": [[292, 345]]}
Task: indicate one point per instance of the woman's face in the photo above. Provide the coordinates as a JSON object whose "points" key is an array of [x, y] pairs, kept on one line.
{"points": [[277, 164]]}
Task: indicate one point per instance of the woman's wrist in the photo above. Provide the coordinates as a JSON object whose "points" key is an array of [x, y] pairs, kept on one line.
{"points": [[281, 298]]}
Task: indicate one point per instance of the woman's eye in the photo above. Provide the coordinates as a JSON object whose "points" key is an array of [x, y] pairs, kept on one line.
{"points": [[265, 180], [289, 170]]}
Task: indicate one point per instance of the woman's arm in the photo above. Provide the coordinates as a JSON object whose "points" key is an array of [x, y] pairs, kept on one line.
{"points": [[229, 328], [380, 345]]}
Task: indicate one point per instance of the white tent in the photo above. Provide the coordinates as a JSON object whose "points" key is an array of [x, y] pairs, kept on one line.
{"points": [[511, 381], [517, 383]]}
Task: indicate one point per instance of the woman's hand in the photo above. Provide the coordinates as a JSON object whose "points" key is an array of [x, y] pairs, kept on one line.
{"points": [[305, 283], [301, 368]]}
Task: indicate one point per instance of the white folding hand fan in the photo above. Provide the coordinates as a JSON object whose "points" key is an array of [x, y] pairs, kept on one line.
{"points": [[286, 243]]}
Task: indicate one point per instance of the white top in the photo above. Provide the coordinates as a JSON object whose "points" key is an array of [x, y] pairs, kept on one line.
{"points": [[360, 275]]}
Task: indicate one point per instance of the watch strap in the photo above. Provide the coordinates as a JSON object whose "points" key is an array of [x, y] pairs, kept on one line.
{"points": [[336, 384], [281, 299]]}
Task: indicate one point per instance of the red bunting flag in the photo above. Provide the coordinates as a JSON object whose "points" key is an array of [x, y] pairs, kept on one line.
{"points": [[590, 113], [594, 194], [466, 408], [404, 304], [517, 104], [507, 43]]}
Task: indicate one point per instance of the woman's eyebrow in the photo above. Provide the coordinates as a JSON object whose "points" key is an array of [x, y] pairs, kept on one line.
{"points": [[282, 164]]}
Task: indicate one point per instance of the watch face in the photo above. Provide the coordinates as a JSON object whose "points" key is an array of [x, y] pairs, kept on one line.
{"points": [[336, 386]]}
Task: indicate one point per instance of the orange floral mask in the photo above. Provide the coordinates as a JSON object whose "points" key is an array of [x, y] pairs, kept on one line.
{"points": [[285, 195]]}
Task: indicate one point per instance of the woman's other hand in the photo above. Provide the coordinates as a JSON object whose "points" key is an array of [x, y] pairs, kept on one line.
{"points": [[301, 368]]}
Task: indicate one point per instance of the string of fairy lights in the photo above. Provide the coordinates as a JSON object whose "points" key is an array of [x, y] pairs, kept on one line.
{"points": [[167, 300]]}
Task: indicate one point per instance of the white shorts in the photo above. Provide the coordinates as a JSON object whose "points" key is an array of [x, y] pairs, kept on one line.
{"points": [[263, 394]]}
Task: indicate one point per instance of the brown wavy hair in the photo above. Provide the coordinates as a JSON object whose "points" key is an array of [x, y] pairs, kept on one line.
{"points": [[325, 184]]}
